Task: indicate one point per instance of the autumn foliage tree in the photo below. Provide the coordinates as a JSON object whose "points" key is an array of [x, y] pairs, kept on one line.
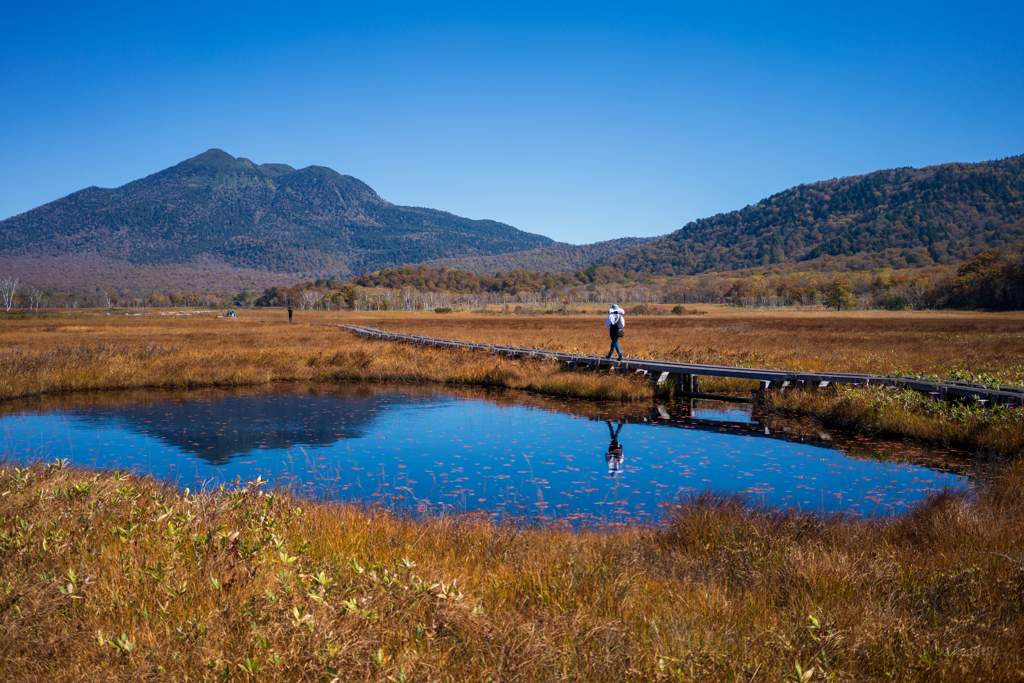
{"points": [[839, 293], [992, 280]]}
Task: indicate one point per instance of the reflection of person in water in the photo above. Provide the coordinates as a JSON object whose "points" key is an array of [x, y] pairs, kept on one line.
{"points": [[614, 455]]}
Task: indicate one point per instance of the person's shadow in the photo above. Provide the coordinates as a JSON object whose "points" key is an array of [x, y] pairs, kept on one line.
{"points": [[614, 456]]}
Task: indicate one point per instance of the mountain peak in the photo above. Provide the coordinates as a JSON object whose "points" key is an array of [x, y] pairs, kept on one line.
{"points": [[212, 155], [216, 159], [271, 218]]}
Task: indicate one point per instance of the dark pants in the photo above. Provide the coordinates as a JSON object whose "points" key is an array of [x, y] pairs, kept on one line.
{"points": [[615, 348]]}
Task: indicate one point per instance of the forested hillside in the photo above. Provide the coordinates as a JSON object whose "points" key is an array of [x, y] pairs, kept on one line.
{"points": [[433, 278], [557, 258], [887, 219], [270, 218]]}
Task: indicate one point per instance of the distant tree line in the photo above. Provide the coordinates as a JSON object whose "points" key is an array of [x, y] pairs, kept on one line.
{"points": [[428, 278], [993, 280]]}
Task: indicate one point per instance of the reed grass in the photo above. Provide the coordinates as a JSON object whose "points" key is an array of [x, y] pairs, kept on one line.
{"points": [[944, 344], [887, 411], [87, 350], [90, 352], [107, 576]]}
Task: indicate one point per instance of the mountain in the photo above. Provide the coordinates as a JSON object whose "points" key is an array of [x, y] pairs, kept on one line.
{"points": [[558, 258], [227, 215], [900, 218], [216, 223]]}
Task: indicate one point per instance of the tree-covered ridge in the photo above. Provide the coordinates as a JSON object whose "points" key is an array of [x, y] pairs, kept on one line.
{"points": [[439, 278], [273, 217], [993, 280], [557, 258], [896, 218]]}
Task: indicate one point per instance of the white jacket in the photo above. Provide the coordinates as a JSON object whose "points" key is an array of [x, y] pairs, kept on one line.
{"points": [[613, 319]]}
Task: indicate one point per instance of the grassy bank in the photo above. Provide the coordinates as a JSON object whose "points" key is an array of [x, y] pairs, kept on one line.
{"points": [[96, 352], [113, 577], [885, 411], [89, 350]]}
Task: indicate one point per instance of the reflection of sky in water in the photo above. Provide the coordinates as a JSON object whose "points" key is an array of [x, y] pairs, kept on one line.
{"points": [[443, 452], [722, 412]]}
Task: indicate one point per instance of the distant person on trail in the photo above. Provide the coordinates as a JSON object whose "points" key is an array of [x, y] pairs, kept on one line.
{"points": [[289, 313], [614, 456], [616, 324]]}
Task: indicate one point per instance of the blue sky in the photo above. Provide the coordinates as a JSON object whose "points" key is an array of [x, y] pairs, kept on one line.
{"points": [[579, 121]]}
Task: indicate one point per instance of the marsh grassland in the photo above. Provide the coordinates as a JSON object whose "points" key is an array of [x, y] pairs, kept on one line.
{"points": [[878, 342], [90, 350], [107, 576]]}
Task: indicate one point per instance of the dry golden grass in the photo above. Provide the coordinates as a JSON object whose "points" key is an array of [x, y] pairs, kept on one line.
{"points": [[89, 350], [106, 577], [883, 411], [876, 342], [98, 352]]}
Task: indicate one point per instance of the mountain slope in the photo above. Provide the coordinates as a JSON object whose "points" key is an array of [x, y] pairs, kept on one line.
{"points": [[897, 218], [557, 258], [270, 217]]}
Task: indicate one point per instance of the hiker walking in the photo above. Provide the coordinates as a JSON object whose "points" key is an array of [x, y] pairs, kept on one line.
{"points": [[616, 324], [289, 314]]}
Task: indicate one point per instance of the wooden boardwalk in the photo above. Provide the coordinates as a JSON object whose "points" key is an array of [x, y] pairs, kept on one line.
{"points": [[686, 375]]}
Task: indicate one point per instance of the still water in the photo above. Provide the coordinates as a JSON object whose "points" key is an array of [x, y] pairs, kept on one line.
{"points": [[507, 455]]}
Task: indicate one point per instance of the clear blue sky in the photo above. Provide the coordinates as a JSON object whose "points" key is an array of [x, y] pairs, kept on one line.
{"points": [[580, 121]]}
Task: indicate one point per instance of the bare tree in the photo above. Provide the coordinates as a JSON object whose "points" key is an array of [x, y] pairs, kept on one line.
{"points": [[309, 298], [35, 298], [8, 289]]}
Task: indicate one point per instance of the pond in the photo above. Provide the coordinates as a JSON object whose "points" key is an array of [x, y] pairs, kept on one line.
{"points": [[510, 455]]}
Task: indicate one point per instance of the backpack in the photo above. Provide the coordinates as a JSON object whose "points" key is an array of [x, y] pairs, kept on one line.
{"points": [[620, 326]]}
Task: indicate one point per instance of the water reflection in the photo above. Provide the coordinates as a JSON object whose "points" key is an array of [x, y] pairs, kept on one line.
{"points": [[614, 455], [510, 455], [223, 427]]}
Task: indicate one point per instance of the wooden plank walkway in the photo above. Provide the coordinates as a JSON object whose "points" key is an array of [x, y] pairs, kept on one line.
{"points": [[685, 375]]}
